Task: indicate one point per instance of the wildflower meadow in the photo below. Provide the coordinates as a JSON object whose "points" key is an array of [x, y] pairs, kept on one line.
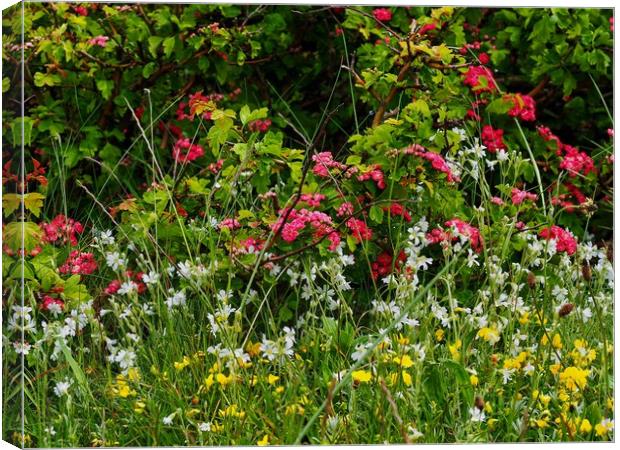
{"points": [[261, 225]]}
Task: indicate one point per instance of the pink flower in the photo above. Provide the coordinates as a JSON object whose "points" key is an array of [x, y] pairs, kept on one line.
{"points": [[610, 132], [480, 79], [484, 58], [564, 239], [548, 136], [493, 138], [61, 230], [462, 229], [376, 174], [523, 108], [518, 196], [436, 160], [346, 209], [323, 162], [359, 229], [313, 200], [575, 162], [193, 151], [382, 14], [426, 28], [79, 263], [321, 224], [230, 224], [497, 201], [101, 41]]}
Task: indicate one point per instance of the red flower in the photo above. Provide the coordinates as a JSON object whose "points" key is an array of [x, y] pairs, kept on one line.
{"points": [[436, 160], [79, 263], [113, 287], [493, 138], [484, 58], [523, 108], [61, 230], [382, 14], [323, 162], [80, 10], [462, 229], [375, 174], [384, 264], [564, 239], [426, 28], [359, 229], [193, 151], [576, 162], [396, 209], [480, 79], [261, 126]]}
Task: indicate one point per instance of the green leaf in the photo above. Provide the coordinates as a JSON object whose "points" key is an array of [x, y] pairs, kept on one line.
{"points": [[154, 43], [10, 202], [16, 128], [376, 214], [33, 202], [13, 235], [6, 84], [105, 87], [169, 43]]}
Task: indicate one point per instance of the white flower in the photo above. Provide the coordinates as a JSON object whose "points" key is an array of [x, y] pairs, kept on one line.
{"points": [[150, 278], [560, 293], [22, 347], [204, 426], [177, 299], [127, 288], [62, 387], [125, 359], [105, 238], [477, 415], [414, 434], [114, 260], [50, 430], [472, 258], [168, 419]]}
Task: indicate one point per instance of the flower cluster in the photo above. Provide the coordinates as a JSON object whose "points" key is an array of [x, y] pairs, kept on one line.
{"points": [[523, 107], [62, 230], [297, 220], [79, 263], [184, 151], [459, 229], [480, 79], [437, 161], [325, 161], [564, 239], [374, 173], [493, 138]]}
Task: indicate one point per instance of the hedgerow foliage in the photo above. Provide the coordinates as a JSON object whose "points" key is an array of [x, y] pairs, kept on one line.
{"points": [[314, 220]]}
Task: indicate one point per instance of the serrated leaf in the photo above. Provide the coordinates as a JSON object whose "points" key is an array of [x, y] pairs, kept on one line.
{"points": [[168, 45], [33, 202], [10, 202], [13, 235]]}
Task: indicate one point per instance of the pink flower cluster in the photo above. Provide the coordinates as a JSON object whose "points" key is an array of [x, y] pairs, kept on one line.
{"points": [[523, 107], [261, 126], [436, 160], [313, 200], [231, 224], [325, 161], [382, 14], [462, 229], [61, 230], [480, 79], [376, 174], [346, 209], [493, 138], [101, 41], [575, 162], [79, 263], [80, 10], [215, 167], [184, 151], [297, 220], [564, 239], [359, 229], [518, 196], [548, 136]]}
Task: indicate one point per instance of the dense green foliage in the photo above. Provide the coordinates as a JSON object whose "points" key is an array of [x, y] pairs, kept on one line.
{"points": [[266, 224]]}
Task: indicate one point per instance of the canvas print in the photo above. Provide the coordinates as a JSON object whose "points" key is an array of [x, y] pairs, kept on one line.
{"points": [[250, 224]]}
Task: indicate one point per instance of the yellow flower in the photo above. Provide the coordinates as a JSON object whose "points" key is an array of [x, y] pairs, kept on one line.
{"points": [[279, 389], [264, 441], [491, 335], [604, 427], [473, 379], [232, 411], [223, 379], [403, 361], [402, 340], [361, 376], [574, 378], [557, 341], [139, 407], [182, 364], [542, 423], [525, 318], [407, 379], [455, 349], [439, 334], [585, 427], [133, 374], [209, 381], [272, 379]]}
